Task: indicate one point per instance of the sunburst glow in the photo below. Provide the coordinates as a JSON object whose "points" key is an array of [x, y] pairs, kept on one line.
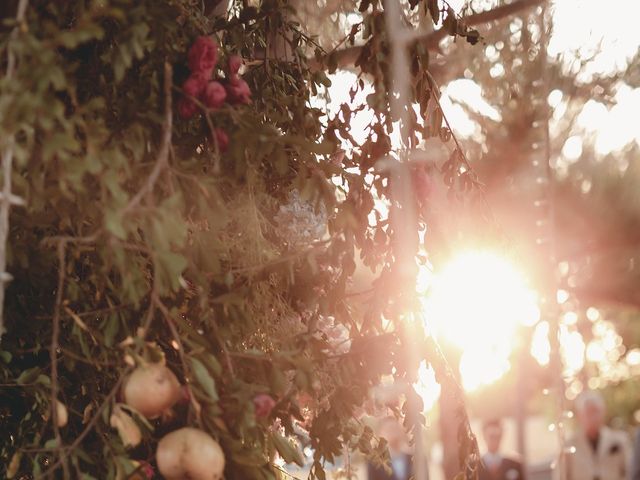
{"points": [[476, 304]]}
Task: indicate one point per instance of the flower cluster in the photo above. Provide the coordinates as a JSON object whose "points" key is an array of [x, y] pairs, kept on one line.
{"points": [[263, 405], [212, 92], [299, 221], [336, 334]]}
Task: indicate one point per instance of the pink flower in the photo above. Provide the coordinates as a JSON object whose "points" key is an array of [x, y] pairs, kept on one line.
{"points": [[203, 56], [263, 405], [195, 85], [238, 90], [147, 469], [234, 62], [214, 95], [186, 108], [223, 139]]}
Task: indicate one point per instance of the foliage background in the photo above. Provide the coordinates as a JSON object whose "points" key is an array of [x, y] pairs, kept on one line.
{"points": [[141, 240]]}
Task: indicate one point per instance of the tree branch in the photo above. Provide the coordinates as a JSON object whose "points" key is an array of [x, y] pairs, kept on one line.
{"points": [[7, 199], [162, 159], [347, 56], [64, 454], [53, 350]]}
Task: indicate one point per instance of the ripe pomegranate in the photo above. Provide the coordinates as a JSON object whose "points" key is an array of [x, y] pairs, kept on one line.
{"points": [[151, 389], [189, 453]]}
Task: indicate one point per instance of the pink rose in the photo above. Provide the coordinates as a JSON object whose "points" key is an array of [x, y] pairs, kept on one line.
{"points": [[214, 95], [195, 85], [186, 108], [263, 405], [238, 90], [234, 62], [223, 140], [203, 56]]}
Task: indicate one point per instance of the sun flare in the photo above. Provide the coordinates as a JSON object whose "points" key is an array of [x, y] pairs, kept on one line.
{"points": [[476, 304]]}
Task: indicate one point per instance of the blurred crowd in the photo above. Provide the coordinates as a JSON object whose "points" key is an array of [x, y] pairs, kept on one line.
{"points": [[594, 451]]}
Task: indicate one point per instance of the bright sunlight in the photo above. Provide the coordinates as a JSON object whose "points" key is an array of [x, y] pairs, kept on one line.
{"points": [[476, 304]]}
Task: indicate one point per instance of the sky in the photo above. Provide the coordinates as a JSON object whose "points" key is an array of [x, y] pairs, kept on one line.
{"points": [[581, 28]]}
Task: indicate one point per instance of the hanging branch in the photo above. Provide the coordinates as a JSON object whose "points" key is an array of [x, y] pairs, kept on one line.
{"points": [[64, 453], [347, 57], [162, 160], [6, 197], [53, 351], [61, 243]]}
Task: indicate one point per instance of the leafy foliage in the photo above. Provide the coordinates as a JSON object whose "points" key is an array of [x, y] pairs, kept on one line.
{"points": [[143, 242]]}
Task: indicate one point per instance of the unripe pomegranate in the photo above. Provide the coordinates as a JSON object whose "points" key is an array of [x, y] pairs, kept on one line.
{"points": [[151, 389], [62, 413], [127, 428], [189, 453]]}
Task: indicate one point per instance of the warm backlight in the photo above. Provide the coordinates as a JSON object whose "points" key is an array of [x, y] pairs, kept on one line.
{"points": [[476, 304]]}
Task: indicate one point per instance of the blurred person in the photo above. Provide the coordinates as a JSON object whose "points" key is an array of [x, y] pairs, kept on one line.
{"points": [[595, 452], [399, 452], [496, 466]]}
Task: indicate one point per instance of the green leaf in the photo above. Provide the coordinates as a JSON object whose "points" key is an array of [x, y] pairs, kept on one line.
{"points": [[212, 364], [5, 356], [204, 379], [249, 458], [111, 329], [287, 450], [51, 443], [170, 265], [28, 376], [113, 223]]}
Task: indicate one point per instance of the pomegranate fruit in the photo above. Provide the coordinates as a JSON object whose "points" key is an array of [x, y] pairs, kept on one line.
{"points": [[62, 413], [151, 390], [189, 453]]}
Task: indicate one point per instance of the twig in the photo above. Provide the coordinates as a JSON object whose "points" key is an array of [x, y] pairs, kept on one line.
{"points": [[69, 239], [162, 160], [90, 313], [185, 366], [174, 332], [67, 451], [62, 241], [53, 350], [281, 259], [7, 199], [348, 56], [223, 347], [435, 89], [435, 92]]}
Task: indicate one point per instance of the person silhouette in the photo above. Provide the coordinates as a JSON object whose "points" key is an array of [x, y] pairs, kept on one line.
{"points": [[595, 452], [496, 466], [401, 462]]}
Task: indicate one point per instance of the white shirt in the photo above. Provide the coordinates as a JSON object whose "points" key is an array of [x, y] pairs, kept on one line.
{"points": [[492, 460], [399, 466]]}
